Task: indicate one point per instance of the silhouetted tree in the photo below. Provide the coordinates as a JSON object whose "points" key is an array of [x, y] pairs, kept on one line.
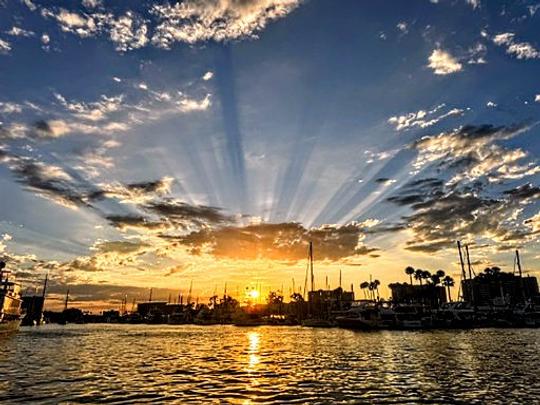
{"points": [[409, 271], [419, 275], [374, 286], [448, 282], [364, 286]]}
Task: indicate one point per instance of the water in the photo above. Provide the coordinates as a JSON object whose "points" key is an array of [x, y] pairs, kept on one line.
{"points": [[227, 364]]}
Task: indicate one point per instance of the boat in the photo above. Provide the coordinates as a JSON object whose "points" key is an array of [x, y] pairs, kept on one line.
{"points": [[10, 302], [367, 315]]}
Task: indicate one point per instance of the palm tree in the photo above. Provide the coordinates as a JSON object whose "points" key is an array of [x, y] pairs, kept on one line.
{"points": [[448, 282], [440, 273], [435, 279], [426, 275], [375, 286], [418, 275], [363, 286], [410, 271]]}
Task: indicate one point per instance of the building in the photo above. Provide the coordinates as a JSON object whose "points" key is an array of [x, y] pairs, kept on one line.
{"points": [[332, 300], [494, 287], [152, 308], [428, 294]]}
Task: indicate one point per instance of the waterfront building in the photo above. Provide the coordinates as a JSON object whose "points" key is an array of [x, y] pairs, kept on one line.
{"points": [[428, 294], [493, 287]]}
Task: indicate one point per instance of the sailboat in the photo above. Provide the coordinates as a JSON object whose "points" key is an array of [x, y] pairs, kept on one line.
{"points": [[10, 302], [314, 321]]}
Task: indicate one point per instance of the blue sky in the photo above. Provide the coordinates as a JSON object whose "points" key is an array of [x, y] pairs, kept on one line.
{"points": [[151, 144]]}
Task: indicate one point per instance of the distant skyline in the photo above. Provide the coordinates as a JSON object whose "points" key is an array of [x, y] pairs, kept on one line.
{"points": [[149, 144]]}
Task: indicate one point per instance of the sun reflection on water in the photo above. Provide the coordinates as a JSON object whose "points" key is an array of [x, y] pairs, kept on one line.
{"points": [[254, 339]]}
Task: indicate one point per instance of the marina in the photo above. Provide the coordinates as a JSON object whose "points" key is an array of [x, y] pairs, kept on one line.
{"points": [[487, 299]]}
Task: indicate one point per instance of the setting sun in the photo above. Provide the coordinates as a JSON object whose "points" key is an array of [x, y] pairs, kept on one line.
{"points": [[253, 294]]}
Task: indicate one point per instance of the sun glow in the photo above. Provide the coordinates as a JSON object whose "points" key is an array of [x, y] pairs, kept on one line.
{"points": [[253, 294]]}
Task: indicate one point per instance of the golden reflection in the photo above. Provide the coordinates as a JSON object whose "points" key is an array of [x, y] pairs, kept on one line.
{"points": [[254, 339]]}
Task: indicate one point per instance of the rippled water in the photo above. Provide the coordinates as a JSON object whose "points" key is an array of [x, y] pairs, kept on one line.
{"points": [[141, 363]]}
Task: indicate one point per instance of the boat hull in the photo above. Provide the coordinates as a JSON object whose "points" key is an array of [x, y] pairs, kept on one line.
{"points": [[10, 326]]}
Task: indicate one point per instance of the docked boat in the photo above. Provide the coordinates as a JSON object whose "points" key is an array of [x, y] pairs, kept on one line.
{"points": [[367, 315], [10, 302]]}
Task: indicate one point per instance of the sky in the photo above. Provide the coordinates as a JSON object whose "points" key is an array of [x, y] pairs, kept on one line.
{"points": [[156, 144]]}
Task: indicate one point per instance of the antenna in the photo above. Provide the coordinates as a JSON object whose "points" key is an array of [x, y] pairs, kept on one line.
{"points": [[150, 297], [339, 278]]}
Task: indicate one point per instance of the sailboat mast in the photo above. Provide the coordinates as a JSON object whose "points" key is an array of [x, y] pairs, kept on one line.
{"points": [[311, 265], [518, 264], [463, 275], [470, 274], [468, 261], [189, 294], [67, 300], [45, 286]]}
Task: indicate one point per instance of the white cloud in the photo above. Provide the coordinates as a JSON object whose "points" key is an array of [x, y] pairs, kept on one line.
{"points": [[128, 32], [491, 104], [521, 50], [207, 76], [187, 104], [92, 3], [443, 63], [533, 9], [10, 108], [422, 118], [45, 39], [194, 21], [537, 98], [474, 3], [477, 54], [5, 47], [402, 26], [19, 32], [475, 148], [94, 111], [28, 3], [82, 25]]}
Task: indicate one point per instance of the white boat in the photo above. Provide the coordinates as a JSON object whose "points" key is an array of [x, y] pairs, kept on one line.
{"points": [[10, 302]]}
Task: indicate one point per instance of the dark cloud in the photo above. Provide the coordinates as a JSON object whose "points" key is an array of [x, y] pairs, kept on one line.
{"points": [[133, 221], [47, 180], [133, 192], [524, 192], [183, 214], [443, 215], [286, 241]]}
